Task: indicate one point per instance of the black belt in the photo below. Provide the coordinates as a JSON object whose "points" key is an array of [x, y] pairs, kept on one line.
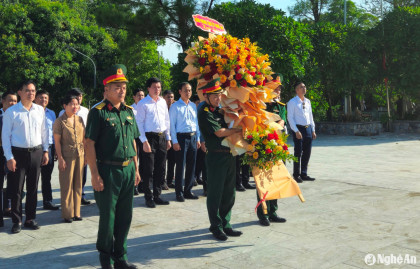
{"points": [[303, 126], [186, 134], [154, 133], [125, 163], [27, 149]]}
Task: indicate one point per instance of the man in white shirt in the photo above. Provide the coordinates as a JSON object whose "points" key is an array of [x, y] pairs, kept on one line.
{"points": [[153, 122], [138, 95], [25, 145], [83, 113], [42, 98], [301, 121], [186, 139]]}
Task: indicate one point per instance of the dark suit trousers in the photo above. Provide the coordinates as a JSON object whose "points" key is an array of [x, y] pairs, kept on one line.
{"points": [[153, 165], [241, 178], [302, 149], [200, 167], [28, 166], [46, 172], [185, 159], [2, 174], [170, 171]]}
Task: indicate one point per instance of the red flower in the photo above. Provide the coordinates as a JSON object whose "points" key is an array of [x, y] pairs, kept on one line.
{"points": [[249, 137], [225, 56], [208, 76], [202, 61], [285, 147], [238, 76], [237, 67], [213, 67], [226, 73], [244, 83], [252, 74], [276, 136], [259, 83], [206, 42], [268, 151], [263, 83], [248, 57], [226, 84], [270, 136]]}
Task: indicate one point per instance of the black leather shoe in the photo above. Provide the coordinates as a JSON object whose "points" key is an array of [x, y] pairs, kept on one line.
{"points": [[7, 213], [277, 219], [16, 228], [307, 178], [50, 206], [160, 201], [31, 224], [136, 191], [219, 235], [190, 196], [171, 185], [248, 186], [199, 181], [150, 203], [85, 202], [180, 198], [264, 222], [77, 218], [124, 265], [165, 187], [205, 193], [195, 183], [1, 223], [298, 179], [107, 266], [68, 220], [140, 189], [232, 232], [240, 188]]}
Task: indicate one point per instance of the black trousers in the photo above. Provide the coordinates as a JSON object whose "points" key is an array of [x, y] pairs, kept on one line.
{"points": [[200, 167], [28, 167], [153, 165], [242, 172], [46, 172], [302, 149], [2, 175], [185, 161], [170, 170], [84, 180]]}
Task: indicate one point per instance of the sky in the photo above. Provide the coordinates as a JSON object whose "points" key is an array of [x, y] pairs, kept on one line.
{"points": [[171, 49]]}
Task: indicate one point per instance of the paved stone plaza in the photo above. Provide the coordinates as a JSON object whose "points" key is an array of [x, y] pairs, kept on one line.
{"points": [[366, 199]]}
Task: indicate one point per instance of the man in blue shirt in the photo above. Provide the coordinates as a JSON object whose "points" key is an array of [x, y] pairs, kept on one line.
{"points": [[42, 98], [186, 139]]}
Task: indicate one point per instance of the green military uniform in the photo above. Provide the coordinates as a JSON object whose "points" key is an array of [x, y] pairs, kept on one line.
{"points": [[221, 169], [278, 108], [114, 131]]}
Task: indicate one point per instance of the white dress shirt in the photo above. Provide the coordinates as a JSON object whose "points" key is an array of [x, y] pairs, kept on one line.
{"points": [[152, 116], [50, 118], [24, 128], [297, 114], [134, 106], [82, 112], [183, 119]]}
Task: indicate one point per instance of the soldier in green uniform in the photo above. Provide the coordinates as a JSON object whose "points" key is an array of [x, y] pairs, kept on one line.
{"points": [[278, 108], [220, 163], [111, 154]]}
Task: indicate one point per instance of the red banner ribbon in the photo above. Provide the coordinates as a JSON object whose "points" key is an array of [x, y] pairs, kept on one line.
{"points": [[262, 200]]}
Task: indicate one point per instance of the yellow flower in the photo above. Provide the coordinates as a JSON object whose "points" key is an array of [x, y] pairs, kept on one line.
{"points": [[220, 70], [210, 58], [202, 52], [250, 148], [254, 142], [255, 155], [207, 69], [232, 83], [223, 78], [265, 142]]}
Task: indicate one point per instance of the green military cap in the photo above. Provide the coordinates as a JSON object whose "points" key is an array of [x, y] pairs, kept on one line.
{"points": [[275, 82], [277, 77], [212, 87], [115, 73]]}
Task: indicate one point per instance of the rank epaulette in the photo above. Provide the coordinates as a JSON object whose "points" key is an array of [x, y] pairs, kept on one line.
{"points": [[100, 106], [129, 107], [283, 104]]}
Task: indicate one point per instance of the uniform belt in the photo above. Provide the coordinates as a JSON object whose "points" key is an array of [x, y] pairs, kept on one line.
{"points": [[27, 149], [303, 126], [186, 134], [125, 163], [154, 133], [219, 150]]}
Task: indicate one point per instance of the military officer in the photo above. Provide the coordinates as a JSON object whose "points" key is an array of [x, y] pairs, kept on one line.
{"points": [[220, 162], [111, 154], [278, 108]]}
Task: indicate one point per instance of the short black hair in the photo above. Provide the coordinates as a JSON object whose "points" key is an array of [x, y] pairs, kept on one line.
{"points": [[182, 84], [41, 92], [297, 83], [8, 92], [195, 98], [167, 92], [75, 91], [152, 80], [68, 98], [26, 83], [137, 90]]}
